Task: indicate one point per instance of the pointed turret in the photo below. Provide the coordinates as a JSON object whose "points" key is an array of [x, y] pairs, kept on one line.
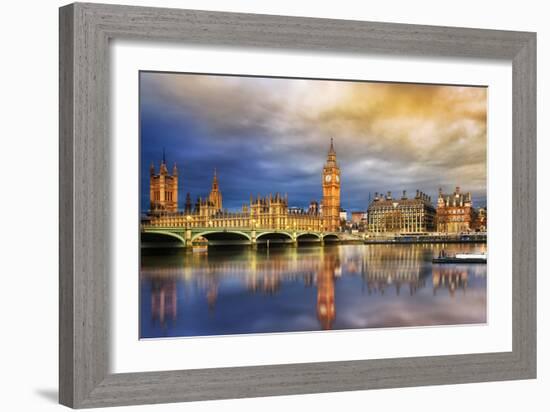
{"points": [[163, 169], [163, 187], [215, 196], [188, 205], [215, 180], [331, 158]]}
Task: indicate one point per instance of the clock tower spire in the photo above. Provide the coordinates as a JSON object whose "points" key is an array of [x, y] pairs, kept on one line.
{"points": [[331, 191]]}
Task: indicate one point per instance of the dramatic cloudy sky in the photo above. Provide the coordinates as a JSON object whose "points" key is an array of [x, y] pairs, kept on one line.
{"points": [[267, 135]]}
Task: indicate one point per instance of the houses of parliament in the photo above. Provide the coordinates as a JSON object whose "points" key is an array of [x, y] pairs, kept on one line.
{"points": [[263, 212]]}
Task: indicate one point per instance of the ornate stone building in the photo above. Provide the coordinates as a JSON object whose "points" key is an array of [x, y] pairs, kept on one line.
{"points": [[270, 212], [387, 214], [163, 189], [331, 192], [455, 212]]}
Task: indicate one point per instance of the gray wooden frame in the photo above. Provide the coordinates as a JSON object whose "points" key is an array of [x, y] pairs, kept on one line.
{"points": [[85, 31]]}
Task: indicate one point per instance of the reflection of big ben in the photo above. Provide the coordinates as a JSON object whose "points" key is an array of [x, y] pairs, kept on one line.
{"points": [[326, 309], [331, 192]]}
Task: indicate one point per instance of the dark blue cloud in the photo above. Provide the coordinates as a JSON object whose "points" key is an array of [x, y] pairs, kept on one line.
{"points": [[248, 137]]}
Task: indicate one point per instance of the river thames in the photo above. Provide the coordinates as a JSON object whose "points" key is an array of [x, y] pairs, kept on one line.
{"points": [[236, 290]]}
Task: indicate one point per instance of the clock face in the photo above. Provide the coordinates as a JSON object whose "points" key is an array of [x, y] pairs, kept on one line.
{"points": [[337, 179], [328, 178]]}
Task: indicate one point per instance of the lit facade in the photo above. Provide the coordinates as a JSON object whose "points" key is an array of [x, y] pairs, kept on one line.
{"points": [[387, 214], [357, 217], [215, 196], [455, 212], [262, 212], [331, 192], [163, 189]]}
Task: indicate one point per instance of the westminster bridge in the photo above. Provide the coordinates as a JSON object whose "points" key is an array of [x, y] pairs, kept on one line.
{"points": [[186, 237], [180, 230], [186, 230], [176, 236]]}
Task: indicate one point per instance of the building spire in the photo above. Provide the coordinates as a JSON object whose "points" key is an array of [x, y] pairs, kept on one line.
{"points": [[215, 196], [163, 168], [331, 158], [215, 180]]}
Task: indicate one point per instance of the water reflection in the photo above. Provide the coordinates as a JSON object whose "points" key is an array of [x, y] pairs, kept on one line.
{"points": [[453, 277], [394, 266], [326, 309], [164, 302], [227, 291]]}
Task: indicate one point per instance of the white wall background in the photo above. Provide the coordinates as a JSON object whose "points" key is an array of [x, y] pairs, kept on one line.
{"points": [[28, 158]]}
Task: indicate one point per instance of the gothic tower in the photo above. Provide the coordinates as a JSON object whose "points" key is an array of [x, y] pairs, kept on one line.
{"points": [[215, 197], [331, 192], [163, 188]]}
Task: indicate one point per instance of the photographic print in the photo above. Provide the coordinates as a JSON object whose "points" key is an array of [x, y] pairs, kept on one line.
{"points": [[272, 205]]}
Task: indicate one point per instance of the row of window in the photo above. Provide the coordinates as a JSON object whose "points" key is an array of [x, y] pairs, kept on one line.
{"points": [[455, 211], [168, 196]]}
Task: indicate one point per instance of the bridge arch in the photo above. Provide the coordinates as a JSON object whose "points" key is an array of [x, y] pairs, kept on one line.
{"points": [[212, 233], [275, 235], [309, 236], [331, 237], [162, 233]]}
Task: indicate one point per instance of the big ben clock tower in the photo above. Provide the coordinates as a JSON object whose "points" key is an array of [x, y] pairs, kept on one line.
{"points": [[331, 192]]}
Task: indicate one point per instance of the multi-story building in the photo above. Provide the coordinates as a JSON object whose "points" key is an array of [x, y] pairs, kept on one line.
{"points": [[387, 214], [271, 211], [455, 212], [357, 217], [163, 189], [359, 220]]}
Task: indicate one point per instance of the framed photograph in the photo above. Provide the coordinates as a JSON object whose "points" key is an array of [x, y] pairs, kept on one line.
{"points": [[257, 205]]}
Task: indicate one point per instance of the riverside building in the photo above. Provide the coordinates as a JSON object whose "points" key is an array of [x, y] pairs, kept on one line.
{"points": [[388, 214]]}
